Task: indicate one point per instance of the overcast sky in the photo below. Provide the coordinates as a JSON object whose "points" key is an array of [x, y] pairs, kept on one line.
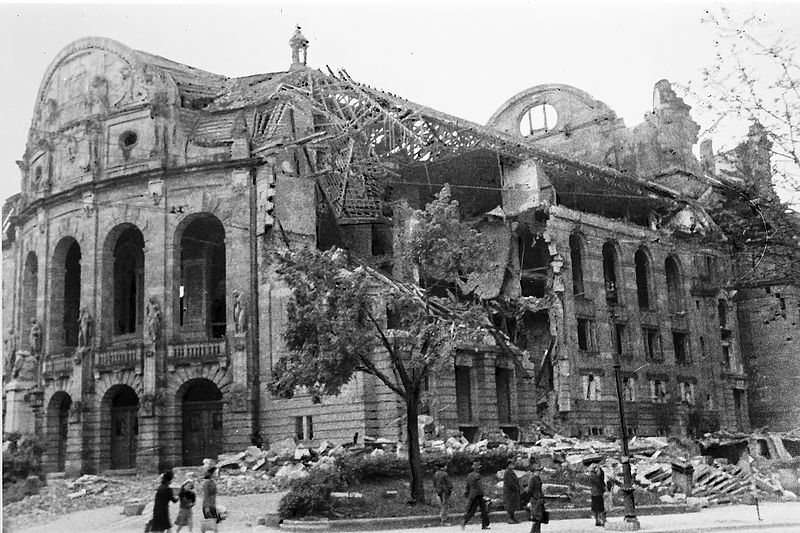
{"points": [[463, 58]]}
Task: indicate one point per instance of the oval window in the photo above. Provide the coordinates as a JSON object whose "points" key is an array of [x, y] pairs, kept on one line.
{"points": [[538, 120], [128, 139]]}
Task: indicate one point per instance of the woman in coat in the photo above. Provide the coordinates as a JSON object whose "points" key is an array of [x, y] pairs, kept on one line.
{"points": [[511, 492], [597, 484], [164, 495], [537, 498], [210, 495]]}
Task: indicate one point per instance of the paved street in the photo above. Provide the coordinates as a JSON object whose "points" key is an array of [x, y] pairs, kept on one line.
{"points": [[777, 517]]}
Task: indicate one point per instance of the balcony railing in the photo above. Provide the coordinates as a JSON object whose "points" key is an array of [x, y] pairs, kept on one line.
{"points": [[58, 366], [122, 358], [207, 351]]}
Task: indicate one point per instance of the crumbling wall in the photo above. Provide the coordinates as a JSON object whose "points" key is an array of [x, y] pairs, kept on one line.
{"points": [[769, 317]]}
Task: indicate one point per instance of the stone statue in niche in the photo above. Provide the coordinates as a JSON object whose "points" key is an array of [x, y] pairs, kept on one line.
{"points": [[84, 329], [9, 352], [25, 366], [93, 129], [35, 337], [160, 113], [239, 312], [153, 321], [98, 96], [50, 112]]}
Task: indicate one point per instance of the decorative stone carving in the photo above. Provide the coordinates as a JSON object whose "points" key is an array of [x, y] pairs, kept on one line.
{"points": [[88, 203], [153, 323], [239, 313], [76, 412], [25, 366], [35, 337], [238, 398], [148, 404]]}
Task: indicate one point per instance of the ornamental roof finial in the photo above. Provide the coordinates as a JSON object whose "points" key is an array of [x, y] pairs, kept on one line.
{"points": [[299, 44]]}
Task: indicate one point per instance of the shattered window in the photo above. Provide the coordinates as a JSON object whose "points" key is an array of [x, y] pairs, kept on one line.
{"points": [[592, 387], [652, 343], [576, 259]]}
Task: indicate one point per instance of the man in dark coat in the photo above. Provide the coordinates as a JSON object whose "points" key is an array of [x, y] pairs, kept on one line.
{"points": [[473, 492], [164, 495], [597, 485], [444, 488], [511, 492], [537, 498]]}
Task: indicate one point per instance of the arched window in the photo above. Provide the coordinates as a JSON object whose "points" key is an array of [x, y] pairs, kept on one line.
{"points": [[128, 281], [674, 290], [201, 291], [576, 259], [30, 294], [65, 296], [642, 282], [610, 272]]}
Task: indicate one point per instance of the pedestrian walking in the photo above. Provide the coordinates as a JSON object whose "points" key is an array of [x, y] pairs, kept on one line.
{"points": [[444, 488], [186, 500], [539, 514], [597, 485], [164, 495], [210, 495], [511, 492], [474, 494]]}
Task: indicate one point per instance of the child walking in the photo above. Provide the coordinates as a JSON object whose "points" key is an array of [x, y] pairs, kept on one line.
{"points": [[186, 497]]}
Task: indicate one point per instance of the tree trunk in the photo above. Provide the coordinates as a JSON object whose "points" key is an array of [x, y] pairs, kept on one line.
{"points": [[414, 457]]}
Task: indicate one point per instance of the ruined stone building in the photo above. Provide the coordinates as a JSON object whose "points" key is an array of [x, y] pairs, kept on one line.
{"points": [[142, 317]]}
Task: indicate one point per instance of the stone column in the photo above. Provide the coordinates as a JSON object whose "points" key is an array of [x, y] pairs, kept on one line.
{"points": [[157, 300]]}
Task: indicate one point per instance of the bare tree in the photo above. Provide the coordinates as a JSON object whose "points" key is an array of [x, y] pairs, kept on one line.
{"points": [[755, 76]]}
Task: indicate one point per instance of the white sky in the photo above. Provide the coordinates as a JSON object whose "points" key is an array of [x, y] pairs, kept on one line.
{"points": [[463, 58]]}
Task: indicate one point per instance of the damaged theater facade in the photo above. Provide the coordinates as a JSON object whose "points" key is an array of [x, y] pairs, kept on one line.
{"points": [[142, 315]]}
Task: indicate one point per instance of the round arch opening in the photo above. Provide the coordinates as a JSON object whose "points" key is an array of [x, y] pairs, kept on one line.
{"points": [[58, 429], [124, 418], [202, 422]]}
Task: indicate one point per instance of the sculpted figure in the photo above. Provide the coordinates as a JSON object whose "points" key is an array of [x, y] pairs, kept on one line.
{"points": [[25, 367], [84, 328], [153, 320], [239, 312], [98, 96], [35, 337], [9, 352]]}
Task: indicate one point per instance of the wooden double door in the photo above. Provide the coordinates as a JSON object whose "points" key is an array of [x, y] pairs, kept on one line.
{"points": [[124, 435], [202, 431]]}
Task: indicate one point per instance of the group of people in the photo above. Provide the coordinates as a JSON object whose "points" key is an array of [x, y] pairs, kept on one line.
{"points": [[186, 499], [514, 495], [476, 496]]}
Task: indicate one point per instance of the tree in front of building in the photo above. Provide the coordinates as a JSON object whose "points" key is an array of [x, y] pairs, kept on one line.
{"points": [[345, 317]]}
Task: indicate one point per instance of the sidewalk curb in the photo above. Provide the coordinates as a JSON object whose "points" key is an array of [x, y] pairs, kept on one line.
{"points": [[722, 527], [426, 521]]}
